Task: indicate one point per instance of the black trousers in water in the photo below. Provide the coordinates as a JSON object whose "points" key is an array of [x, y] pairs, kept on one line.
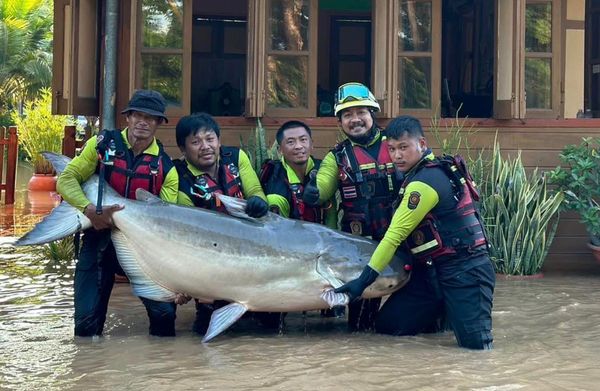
{"points": [[459, 289], [94, 279]]}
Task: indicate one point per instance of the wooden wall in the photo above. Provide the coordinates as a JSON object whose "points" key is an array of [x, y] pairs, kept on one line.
{"points": [[539, 140]]}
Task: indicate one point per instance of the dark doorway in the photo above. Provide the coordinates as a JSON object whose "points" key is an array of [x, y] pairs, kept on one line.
{"points": [[219, 34], [592, 59], [344, 48], [350, 50], [467, 58]]}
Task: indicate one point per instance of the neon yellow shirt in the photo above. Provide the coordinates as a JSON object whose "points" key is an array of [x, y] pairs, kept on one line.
{"points": [[82, 167], [250, 183], [404, 221], [282, 202]]}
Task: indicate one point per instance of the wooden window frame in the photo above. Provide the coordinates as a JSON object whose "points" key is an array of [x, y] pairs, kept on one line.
{"points": [[311, 53], [186, 52], [76, 59], [255, 65], [384, 75], [555, 64], [393, 55]]}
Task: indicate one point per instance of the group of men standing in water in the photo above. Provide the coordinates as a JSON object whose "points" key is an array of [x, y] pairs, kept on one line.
{"points": [[391, 189]]}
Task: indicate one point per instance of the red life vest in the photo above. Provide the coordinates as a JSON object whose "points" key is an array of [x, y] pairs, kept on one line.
{"points": [[202, 188], [459, 231], [126, 173], [367, 187], [274, 179]]}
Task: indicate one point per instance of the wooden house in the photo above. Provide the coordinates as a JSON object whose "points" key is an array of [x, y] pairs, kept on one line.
{"points": [[526, 70]]}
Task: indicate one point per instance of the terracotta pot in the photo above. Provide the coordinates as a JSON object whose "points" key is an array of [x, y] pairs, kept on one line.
{"points": [[42, 182], [595, 251]]}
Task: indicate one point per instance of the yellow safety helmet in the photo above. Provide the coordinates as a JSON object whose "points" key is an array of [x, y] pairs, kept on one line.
{"points": [[354, 95]]}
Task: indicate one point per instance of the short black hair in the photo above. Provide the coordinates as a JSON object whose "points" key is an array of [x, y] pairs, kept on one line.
{"points": [[288, 125], [404, 125], [192, 124]]}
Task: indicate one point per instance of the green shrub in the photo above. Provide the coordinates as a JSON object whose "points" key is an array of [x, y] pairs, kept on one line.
{"points": [[39, 131], [579, 179], [60, 250], [454, 138], [520, 216]]}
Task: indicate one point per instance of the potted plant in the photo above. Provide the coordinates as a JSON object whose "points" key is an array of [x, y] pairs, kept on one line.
{"points": [[520, 213], [579, 179], [40, 131], [256, 147]]}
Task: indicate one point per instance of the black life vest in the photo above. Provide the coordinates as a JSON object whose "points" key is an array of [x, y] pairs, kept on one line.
{"points": [[367, 188], [457, 232], [127, 173], [274, 175], [202, 188]]}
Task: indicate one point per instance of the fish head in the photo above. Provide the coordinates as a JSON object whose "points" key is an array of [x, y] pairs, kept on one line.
{"points": [[392, 278], [346, 262]]}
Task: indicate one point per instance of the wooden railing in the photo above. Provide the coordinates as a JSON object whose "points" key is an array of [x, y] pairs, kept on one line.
{"points": [[8, 148], [70, 144]]}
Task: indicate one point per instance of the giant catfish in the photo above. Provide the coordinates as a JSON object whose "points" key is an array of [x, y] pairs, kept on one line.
{"points": [[267, 264]]}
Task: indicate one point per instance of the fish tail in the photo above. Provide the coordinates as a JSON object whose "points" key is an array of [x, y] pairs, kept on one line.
{"points": [[64, 220]]}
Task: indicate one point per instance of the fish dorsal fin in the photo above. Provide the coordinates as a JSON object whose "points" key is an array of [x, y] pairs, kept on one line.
{"points": [[236, 207], [146, 196], [59, 162]]}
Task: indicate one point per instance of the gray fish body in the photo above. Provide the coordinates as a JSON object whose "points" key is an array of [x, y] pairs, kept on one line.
{"points": [[267, 264]]}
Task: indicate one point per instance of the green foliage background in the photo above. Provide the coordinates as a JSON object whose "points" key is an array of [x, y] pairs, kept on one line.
{"points": [[25, 53], [40, 131]]}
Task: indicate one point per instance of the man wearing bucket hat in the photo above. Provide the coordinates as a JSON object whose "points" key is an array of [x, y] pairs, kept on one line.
{"points": [[359, 167], [128, 160]]}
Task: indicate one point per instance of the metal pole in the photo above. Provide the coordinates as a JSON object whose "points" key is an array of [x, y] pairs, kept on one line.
{"points": [[110, 65]]}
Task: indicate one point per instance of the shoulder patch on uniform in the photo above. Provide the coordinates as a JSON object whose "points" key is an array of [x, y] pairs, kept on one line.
{"points": [[413, 200]]}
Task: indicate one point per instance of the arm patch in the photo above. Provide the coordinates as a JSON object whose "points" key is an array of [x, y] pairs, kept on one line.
{"points": [[413, 200]]}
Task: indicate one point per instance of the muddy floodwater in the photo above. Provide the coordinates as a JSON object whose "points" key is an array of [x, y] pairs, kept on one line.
{"points": [[547, 337]]}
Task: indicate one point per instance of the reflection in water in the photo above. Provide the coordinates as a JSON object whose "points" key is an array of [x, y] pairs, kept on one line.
{"points": [[546, 337], [29, 206]]}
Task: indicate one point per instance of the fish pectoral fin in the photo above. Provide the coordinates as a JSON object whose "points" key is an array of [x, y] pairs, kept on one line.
{"points": [[324, 271], [222, 318], [146, 196], [329, 296]]}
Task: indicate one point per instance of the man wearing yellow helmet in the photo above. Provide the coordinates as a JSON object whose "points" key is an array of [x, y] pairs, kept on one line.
{"points": [[359, 167]]}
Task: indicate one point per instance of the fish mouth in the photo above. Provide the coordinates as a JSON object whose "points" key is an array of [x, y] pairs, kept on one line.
{"points": [[385, 285]]}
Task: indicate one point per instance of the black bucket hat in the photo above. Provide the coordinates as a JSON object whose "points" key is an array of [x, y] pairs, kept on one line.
{"points": [[149, 102]]}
